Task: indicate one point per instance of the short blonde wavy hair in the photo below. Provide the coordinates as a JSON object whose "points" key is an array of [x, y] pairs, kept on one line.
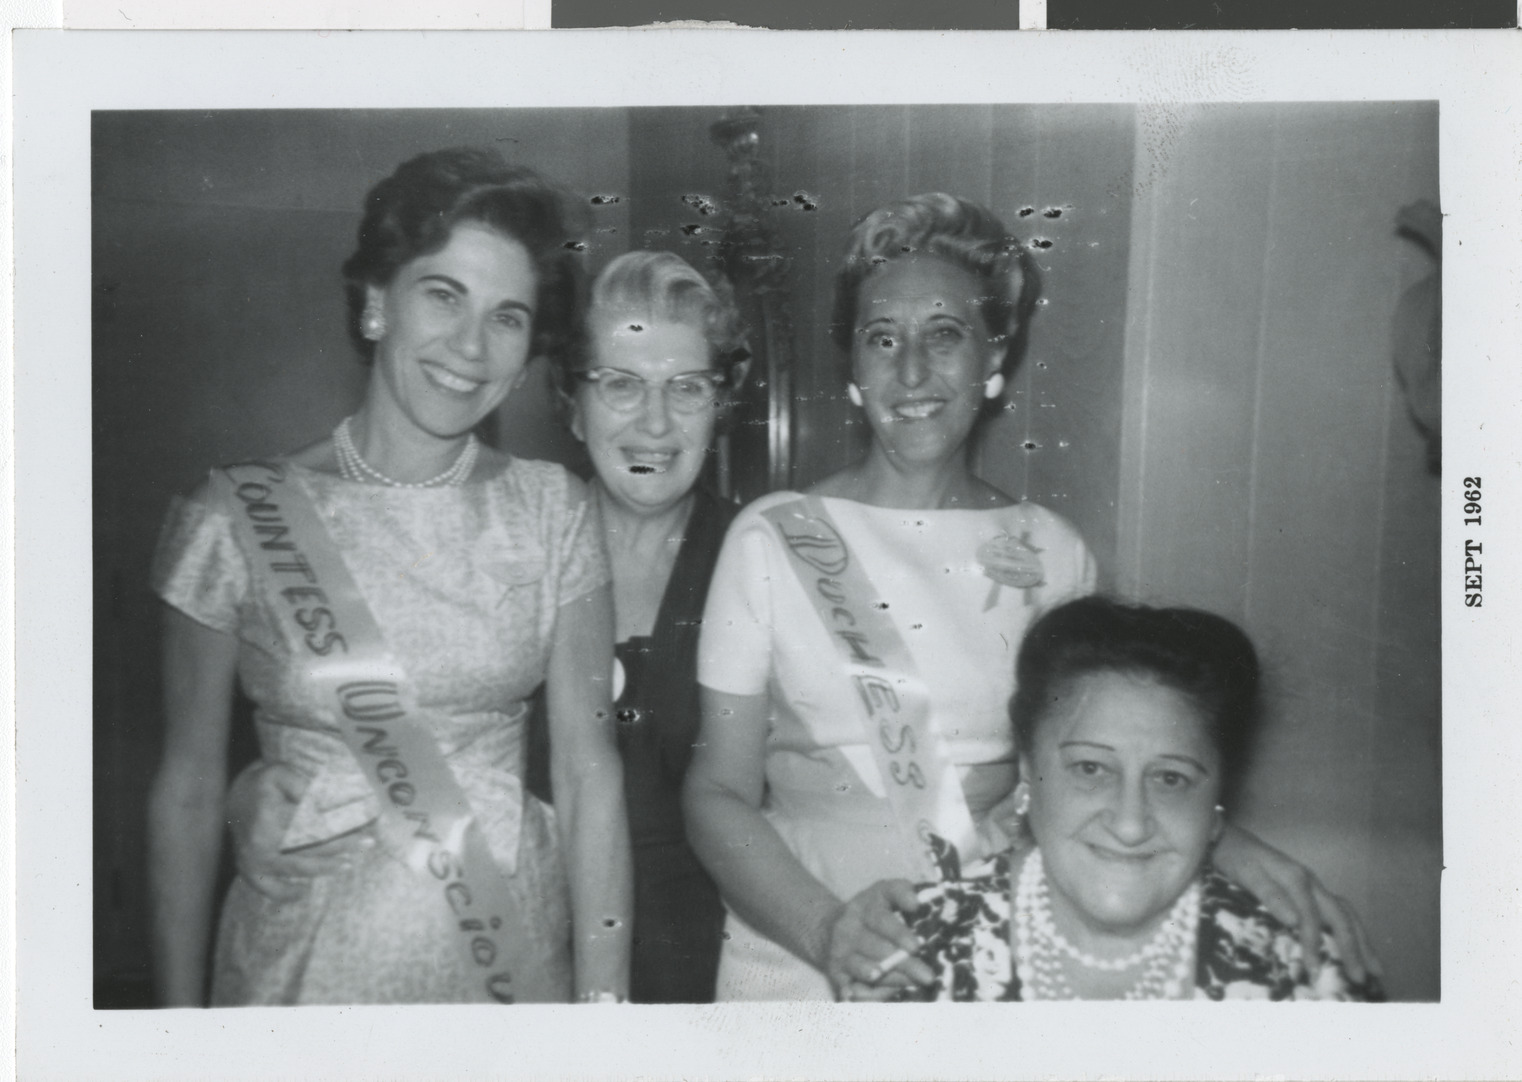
{"points": [[661, 287]]}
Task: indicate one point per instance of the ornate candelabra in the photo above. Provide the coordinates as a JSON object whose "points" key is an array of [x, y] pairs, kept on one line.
{"points": [[751, 254]]}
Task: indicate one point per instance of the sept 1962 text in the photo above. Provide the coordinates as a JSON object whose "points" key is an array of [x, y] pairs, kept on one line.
{"points": [[1473, 548]]}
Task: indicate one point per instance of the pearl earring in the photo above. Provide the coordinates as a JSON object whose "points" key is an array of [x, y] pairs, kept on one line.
{"points": [[853, 392], [1022, 799], [372, 324], [994, 385]]}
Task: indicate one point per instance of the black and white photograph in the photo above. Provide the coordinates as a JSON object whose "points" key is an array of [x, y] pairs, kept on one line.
{"points": [[772, 552]]}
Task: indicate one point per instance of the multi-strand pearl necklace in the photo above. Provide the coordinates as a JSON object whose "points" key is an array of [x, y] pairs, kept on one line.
{"points": [[1166, 961], [353, 467]]}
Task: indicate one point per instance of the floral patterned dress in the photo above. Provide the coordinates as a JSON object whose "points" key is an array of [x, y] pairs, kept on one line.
{"points": [[1243, 951]]}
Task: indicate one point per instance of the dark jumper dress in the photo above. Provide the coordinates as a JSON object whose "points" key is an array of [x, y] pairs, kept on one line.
{"points": [[678, 915]]}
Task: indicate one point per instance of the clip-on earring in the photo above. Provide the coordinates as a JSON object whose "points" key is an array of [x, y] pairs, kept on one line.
{"points": [[994, 385], [372, 323], [853, 392]]}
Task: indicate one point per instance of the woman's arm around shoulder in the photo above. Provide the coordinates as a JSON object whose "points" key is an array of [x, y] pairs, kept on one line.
{"points": [[1246, 952], [1294, 895]]}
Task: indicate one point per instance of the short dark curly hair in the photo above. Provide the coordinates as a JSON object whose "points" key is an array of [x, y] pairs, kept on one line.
{"points": [[414, 211], [1206, 658], [957, 230]]}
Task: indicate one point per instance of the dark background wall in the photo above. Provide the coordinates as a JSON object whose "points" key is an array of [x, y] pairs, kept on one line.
{"points": [[219, 335], [1207, 393], [1059, 175]]}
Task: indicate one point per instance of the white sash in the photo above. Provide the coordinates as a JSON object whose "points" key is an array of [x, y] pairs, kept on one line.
{"points": [[893, 703], [365, 694]]}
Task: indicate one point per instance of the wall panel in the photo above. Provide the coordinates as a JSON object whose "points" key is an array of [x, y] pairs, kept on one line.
{"points": [[1271, 474]]}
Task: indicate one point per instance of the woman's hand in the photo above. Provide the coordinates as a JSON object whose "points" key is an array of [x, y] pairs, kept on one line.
{"points": [[869, 930], [260, 804], [762, 880], [1293, 894]]}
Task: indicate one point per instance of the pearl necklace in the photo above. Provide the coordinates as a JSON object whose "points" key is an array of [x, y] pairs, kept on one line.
{"points": [[1166, 961], [353, 467]]}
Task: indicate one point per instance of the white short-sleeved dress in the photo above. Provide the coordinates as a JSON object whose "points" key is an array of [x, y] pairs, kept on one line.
{"points": [[962, 628]]}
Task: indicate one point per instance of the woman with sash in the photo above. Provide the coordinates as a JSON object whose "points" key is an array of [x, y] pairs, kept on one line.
{"points": [[645, 392], [389, 597], [858, 644]]}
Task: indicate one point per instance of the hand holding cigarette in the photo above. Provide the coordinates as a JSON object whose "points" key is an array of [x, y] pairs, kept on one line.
{"points": [[889, 964], [871, 948]]}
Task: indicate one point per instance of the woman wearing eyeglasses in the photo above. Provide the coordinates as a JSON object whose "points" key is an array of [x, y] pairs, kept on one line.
{"points": [[645, 388], [645, 392]]}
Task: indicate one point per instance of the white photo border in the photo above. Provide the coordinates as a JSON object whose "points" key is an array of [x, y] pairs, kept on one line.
{"points": [[61, 77]]}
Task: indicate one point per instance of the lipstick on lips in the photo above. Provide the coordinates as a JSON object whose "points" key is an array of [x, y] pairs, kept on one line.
{"points": [[1115, 856], [919, 409], [449, 381]]}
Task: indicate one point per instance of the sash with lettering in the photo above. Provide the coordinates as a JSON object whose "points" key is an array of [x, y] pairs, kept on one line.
{"points": [[892, 701], [425, 818]]}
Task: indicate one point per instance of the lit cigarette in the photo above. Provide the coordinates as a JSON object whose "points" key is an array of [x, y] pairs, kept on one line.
{"points": [[892, 962]]}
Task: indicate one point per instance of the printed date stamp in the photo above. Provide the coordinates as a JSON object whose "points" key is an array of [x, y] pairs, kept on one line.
{"points": [[1474, 597]]}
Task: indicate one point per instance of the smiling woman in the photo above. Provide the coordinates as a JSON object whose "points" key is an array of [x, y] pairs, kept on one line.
{"points": [[646, 394], [389, 597], [451, 333], [854, 633], [923, 358], [857, 644], [458, 322], [1131, 724]]}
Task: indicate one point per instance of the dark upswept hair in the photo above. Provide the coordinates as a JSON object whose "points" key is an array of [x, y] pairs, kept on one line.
{"points": [[414, 211], [958, 230], [1204, 657]]}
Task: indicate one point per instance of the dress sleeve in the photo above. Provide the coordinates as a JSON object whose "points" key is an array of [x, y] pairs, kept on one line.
{"points": [[583, 563], [735, 650], [198, 567], [1078, 573], [1069, 566]]}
